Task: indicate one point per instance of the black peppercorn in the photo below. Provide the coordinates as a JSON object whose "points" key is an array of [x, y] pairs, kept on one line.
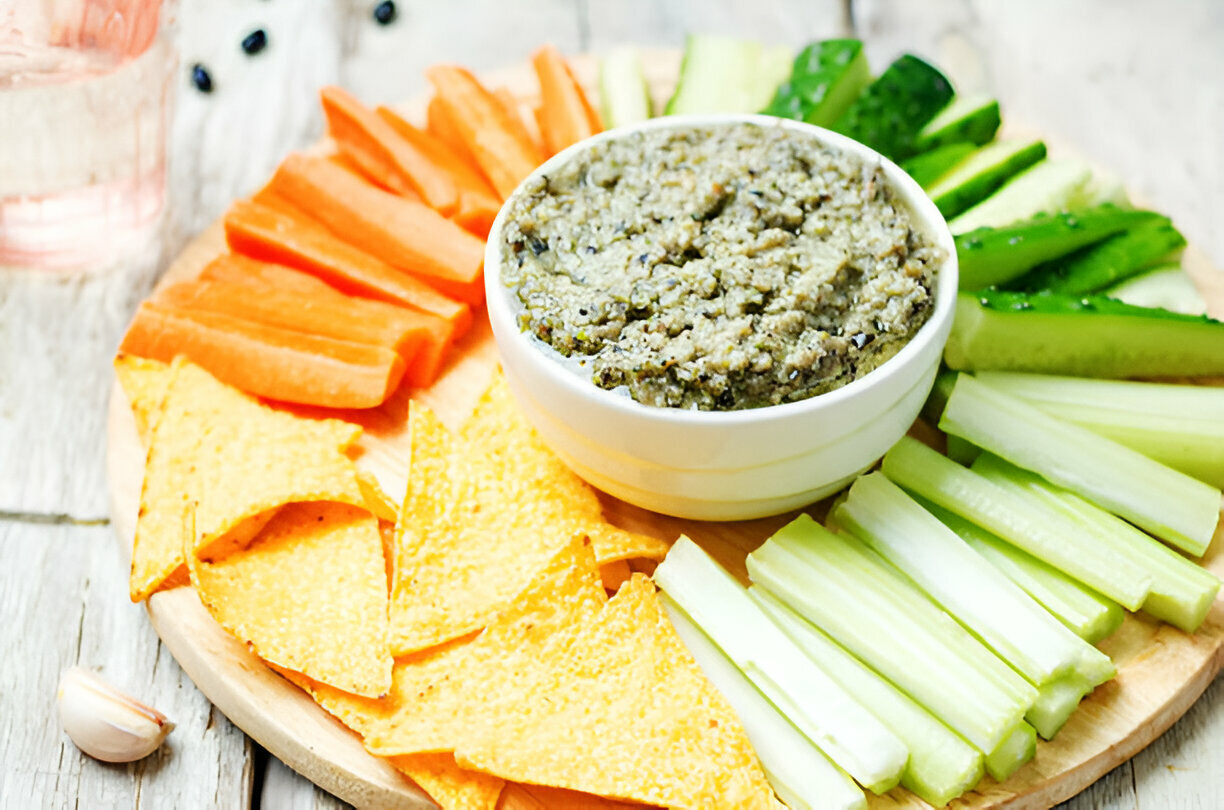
{"points": [[254, 42], [201, 79], [384, 12]]}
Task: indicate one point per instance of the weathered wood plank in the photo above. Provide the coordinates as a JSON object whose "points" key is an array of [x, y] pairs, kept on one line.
{"points": [[64, 597], [283, 789]]}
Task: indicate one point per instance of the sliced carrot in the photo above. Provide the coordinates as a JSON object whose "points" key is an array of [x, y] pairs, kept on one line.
{"points": [[423, 368], [268, 198], [527, 128], [381, 152], [442, 126], [331, 314], [593, 116], [401, 232], [266, 360], [492, 136], [567, 116], [478, 202]]}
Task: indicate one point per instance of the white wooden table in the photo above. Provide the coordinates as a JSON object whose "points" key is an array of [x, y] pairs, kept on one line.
{"points": [[1135, 85]]}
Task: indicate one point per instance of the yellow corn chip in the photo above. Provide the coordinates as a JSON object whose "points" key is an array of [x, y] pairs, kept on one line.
{"points": [[309, 594], [615, 574], [452, 787], [145, 382], [469, 540], [377, 501], [236, 461], [517, 796], [498, 428], [625, 713]]}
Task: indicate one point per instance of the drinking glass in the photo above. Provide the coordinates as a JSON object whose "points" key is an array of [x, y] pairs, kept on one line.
{"points": [[84, 99]]}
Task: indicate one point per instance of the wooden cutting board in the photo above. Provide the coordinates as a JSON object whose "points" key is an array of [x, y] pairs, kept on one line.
{"points": [[1161, 671]]}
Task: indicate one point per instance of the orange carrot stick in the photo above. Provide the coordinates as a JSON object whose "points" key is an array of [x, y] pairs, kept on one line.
{"points": [[526, 126], [478, 202], [268, 361], [381, 153], [330, 314], [491, 135], [567, 115], [440, 124], [424, 366], [273, 235]]}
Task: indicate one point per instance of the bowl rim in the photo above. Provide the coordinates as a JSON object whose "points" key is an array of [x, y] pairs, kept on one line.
{"points": [[927, 218]]}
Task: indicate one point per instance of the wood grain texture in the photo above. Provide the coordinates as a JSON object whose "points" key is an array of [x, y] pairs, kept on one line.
{"points": [[1161, 670]]}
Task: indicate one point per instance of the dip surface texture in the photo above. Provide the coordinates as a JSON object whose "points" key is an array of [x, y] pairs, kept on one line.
{"points": [[718, 267]]}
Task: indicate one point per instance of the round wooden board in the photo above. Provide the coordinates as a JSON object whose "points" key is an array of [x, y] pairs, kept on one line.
{"points": [[1161, 671]]}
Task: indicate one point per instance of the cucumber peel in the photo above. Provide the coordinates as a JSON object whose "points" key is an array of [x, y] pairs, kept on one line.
{"points": [[1116, 259], [1048, 186], [825, 79], [891, 111], [972, 118], [930, 166], [978, 176]]}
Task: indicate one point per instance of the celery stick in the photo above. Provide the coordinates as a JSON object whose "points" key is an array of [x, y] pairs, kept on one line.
{"points": [[800, 774], [960, 450], [942, 765], [1088, 614], [1182, 592], [1012, 753], [1178, 425], [1055, 703], [896, 631], [1169, 504], [826, 714], [921, 470]]}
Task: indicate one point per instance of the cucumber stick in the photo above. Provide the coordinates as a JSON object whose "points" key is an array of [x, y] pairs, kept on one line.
{"points": [[891, 111], [920, 470], [1047, 187], [966, 118], [993, 256], [624, 96], [1085, 612], [798, 772], [826, 714], [1165, 287], [1178, 425], [985, 601], [1169, 504], [1085, 336], [899, 633], [981, 173], [825, 79], [725, 74], [928, 167], [1116, 259], [942, 765]]}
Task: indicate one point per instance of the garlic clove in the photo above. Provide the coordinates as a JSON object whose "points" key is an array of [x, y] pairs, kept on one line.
{"points": [[104, 722]]}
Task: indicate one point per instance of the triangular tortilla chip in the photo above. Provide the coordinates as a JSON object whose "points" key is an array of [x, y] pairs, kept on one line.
{"points": [[469, 540], [452, 787], [235, 461], [145, 382], [631, 712], [309, 594], [498, 429]]}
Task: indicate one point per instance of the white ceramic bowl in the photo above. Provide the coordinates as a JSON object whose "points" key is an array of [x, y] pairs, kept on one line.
{"points": [[724, 465]]}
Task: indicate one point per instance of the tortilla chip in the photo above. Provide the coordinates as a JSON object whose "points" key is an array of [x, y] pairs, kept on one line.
{"points": [[469, 540], [377, 501], [615, 574], [235, 461], [625, 713], [452, 787], [498, 429], [308, 595], [145, 382], [538, 797]]}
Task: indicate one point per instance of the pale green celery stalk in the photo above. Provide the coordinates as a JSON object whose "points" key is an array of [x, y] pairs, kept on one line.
{"points": [[919, 469], [826, 714], [1085, 612], [942, 765], [800, 774], [1169, 504], [1019, 747], [977, 594], [960, 450], [1182, 592], [1178, 425], [875, 614]]}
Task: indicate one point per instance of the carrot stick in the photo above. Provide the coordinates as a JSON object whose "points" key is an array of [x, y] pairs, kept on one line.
{"points": [[330, 314], [268, 361], [478, 202], [440, 124], [384, 155], [526, 127], [567, 115], [492, 136], [424, 366], [272, 235]]}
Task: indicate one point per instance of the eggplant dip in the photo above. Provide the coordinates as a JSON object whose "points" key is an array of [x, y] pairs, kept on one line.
{"points": [[718, 267]]}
